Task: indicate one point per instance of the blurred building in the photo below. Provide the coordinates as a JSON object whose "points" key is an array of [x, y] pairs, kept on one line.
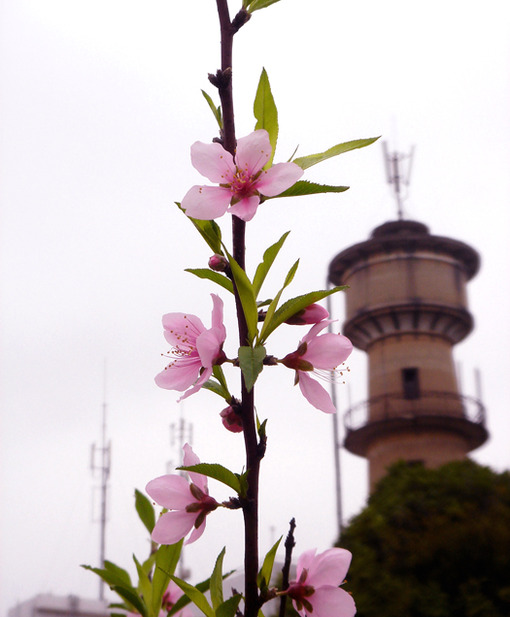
{"points": [[47, 605], [406, 307]]}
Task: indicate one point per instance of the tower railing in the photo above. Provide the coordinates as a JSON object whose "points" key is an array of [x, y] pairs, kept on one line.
{"points": [[393, 406]]}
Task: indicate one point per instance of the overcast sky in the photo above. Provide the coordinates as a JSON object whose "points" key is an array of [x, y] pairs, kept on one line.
{"points": [[100, 104]]}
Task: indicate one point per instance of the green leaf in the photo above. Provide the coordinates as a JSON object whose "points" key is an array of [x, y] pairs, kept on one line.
{"points": [[144, 585], [209, 230], [135, 603], [217, 472], [213, 386], [264, 576], [217, 581], [216, 110], [272, 307], [294, 305], [183, 601], [112, 574], [215, 277], [220, 376], [145, 510], [265, 112], [266, 263], [229, 607], [312, 159], [167, 557], [259, 4], [250, 362], [246, 295], [304, 187], [196, 596]]}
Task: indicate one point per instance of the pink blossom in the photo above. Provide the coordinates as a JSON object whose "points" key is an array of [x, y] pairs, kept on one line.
{"points": [[195, 349], [170, 598], [316, 354], [189, 503], [242, 179], [231, 420], [311, 314], [316, 588]]}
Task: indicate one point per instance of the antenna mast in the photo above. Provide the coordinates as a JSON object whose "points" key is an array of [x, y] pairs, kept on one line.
{"points": [[398, 174], [103, 466]]}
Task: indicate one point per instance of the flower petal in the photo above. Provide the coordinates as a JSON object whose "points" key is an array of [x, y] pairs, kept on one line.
{"points": [[182, 329], [180, 375], [246, 208], [206, 373], [278, 178], [173, 526], [206, 202], [253, 152], [217, 315], [315, 394], [196, 533], [332, 602], [190, 459], [213, 162], [328, 351], [305, 561], [329, 568], [170, 491]]}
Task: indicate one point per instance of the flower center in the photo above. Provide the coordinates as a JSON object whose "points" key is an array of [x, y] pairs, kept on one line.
{"points": [[242, 184]]}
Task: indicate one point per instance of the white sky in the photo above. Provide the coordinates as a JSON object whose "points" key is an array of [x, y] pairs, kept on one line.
{"points": [[100, 103]]}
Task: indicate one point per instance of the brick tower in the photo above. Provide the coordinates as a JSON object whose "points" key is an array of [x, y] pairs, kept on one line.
{"points": [[407, 308]]}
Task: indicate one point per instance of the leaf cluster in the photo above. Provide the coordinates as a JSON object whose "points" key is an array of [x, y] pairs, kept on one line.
{"points": [[433, 543]]}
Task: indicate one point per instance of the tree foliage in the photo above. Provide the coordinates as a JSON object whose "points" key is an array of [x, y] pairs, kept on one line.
{"points": [[433, 543]]}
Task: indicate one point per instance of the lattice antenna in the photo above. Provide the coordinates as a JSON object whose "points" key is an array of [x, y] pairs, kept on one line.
{"points": [[398, 173], [103, 454]]}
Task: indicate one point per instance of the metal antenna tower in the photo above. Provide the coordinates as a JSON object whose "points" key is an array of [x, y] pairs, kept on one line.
{"points": [[103, 453], [398, 172]]}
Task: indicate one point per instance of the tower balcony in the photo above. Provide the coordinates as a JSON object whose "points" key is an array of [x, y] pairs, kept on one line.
{"points": [[433, 412]]}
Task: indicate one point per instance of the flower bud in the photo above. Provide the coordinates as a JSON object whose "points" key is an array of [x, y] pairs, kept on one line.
{"points": [[309, 315], [231, 420], [218, 263]]}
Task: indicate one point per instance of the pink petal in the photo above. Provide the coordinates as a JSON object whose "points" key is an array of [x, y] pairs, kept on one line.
{"points": [[180, 375], [315, 394], [213, 162], [253, 152], [246, 208], [190, 459], [328, 351], [209, 345], [278, 178], [178, 326], [217, 314], [206, 373], [170, 491], [304, 562], [196, 533], [329, 568], [172, 526], [206, 202], [332, 602], [314, 330]]}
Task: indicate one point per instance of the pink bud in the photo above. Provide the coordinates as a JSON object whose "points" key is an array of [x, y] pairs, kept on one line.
{"points": [[231, 420], [309, 315], [218, 263]]}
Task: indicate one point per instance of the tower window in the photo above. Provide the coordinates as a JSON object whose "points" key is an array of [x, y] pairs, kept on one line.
{"points": [[410, 383]]}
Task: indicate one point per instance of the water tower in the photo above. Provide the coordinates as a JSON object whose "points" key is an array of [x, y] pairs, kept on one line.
{"points": [[406, 306]]}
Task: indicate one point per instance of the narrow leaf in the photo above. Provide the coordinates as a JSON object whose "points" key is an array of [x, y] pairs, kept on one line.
{"points": [[312, 159], [260, 4], [272, 307], [250, 362], [195, 595], [264, 576], [215, 277], [229, 607], [216, 110], [265, 112], [266, 263], [304, 187], [213, 386], [246, 295], [167, 557], [209, 230], [112, 576], [145, 510], [144, 585], [217, 581], [293, 306], [217, 472], [135, 603]]}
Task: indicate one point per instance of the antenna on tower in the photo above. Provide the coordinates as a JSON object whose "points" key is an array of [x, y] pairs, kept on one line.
{"points": [[398, 172], [103, 452]]}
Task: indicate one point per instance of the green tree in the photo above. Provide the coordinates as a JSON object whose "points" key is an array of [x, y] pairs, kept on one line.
{"points": [[433, 543]]}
